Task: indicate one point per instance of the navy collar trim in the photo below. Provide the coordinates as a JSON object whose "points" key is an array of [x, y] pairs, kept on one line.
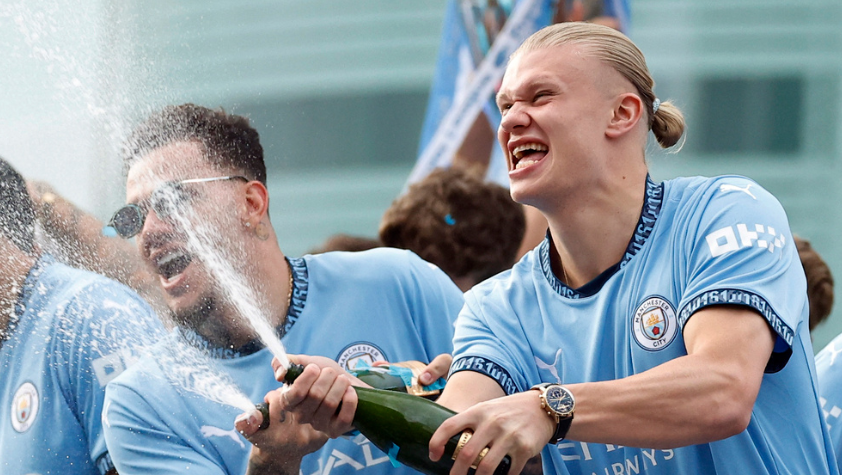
{"points": [[300, 282], [652, 202]]}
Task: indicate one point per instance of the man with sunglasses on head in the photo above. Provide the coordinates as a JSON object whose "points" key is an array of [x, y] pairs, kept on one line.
{"points": [[64, 334], [192, 170]]}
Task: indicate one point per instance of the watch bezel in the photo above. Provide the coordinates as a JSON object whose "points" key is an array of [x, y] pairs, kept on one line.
{"points": [[564, 405]]}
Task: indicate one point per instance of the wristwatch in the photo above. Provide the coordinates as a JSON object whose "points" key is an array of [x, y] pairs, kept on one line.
{"points": [[559, 403]]}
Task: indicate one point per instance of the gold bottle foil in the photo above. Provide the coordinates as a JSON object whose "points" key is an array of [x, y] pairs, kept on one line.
{"points": [[416, 388], [463, 439]]}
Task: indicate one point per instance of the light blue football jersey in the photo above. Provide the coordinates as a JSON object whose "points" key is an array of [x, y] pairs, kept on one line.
{"points": [[383, 304], [72, 332], [699, 242], [829, 370]]}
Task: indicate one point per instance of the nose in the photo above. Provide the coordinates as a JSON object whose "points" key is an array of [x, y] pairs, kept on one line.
{"points": [[516, 116], [153, 227]]}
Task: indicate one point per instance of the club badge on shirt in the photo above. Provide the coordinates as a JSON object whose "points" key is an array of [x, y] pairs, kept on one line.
{"points": [[24, 407], [357, 352], [655, 324]]}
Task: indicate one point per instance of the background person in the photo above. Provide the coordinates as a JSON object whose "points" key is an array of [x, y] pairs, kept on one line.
{"points": [[469, 228], [819, 282], [383, 304], [64, 334]]}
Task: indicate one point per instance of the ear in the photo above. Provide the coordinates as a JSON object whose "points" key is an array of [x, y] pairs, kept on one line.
{"points": [[256, 203], [628, 111]]}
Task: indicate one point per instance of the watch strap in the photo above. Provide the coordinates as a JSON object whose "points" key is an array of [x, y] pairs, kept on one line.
{"points": [[561, 429]]}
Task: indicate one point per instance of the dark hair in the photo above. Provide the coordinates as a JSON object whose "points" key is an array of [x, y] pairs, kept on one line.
{"points": [[452, 218], [819, 282], [229, 141], [17, 213]]}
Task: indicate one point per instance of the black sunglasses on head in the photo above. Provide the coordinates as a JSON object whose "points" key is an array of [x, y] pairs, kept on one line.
{"points": [[165, 200]]}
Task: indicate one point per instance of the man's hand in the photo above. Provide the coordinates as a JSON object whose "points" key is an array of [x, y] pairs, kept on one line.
{"points": [[322, 395], [279, 448], [509, 425]]}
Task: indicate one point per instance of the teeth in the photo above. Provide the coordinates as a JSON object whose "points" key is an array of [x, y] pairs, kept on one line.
{"points": [[525, 163], [172, 263], [535, 147]]}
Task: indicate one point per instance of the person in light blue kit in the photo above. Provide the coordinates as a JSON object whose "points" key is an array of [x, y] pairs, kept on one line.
{"points": [[207, 167], [828, 366], [64, 333], [660, 328]]}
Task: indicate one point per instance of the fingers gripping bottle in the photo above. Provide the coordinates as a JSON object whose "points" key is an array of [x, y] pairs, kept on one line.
{"points": [[401, 425]]}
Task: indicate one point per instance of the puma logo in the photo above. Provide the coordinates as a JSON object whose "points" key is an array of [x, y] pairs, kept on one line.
{"points": [[211, 431], [727, 187], [550, 367]]}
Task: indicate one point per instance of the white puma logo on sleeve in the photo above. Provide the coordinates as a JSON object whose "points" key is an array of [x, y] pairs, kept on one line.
{"points": [[211, 431]]}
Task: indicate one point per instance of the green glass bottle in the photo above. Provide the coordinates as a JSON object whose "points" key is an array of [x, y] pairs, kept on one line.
{"points": [[401, 425], [401, 377]]}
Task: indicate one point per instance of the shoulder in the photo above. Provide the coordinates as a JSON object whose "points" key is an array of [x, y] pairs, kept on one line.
{"points": [[82, 287], [375, 264], [507, 285], [719, 189]]}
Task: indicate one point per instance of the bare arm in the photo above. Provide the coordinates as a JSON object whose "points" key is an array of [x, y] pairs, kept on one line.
{"points": [[78, 235], [710, 396]]}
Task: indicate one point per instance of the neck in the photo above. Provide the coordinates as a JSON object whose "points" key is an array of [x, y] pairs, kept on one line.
{"points": [[15, 269], [592, 230]]}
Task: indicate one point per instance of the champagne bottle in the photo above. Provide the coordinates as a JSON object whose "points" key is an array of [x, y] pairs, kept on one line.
{"points": [[401, 377], [401, 425]]}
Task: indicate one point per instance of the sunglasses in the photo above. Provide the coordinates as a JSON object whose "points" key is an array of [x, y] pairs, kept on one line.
{"points": [[165, 201]]}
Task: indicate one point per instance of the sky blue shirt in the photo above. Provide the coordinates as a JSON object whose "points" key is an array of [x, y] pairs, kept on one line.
{"points": [[699, 242], [71, 333], [383, 304]]}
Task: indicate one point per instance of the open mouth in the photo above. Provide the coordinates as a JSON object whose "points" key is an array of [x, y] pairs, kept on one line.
{"points": [[172, 263], [528, 154]]}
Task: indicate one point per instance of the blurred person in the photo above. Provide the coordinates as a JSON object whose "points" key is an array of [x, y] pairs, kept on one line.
{"points": [[469, 228], [819, 282], [75, 238], [660, 327], [191, 169], [64, 334]]}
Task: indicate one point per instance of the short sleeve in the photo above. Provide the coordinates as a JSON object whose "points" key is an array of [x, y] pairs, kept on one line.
{"points": [[487, 339], [104, 327], [741, 252]]}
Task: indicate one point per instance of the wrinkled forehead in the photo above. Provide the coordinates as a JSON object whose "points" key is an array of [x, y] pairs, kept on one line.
{"points": [[172, 162]]}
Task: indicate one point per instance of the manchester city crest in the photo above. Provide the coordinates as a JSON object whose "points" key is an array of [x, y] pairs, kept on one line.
{"points": [[358, 352], [655, 324], [24, 407]]}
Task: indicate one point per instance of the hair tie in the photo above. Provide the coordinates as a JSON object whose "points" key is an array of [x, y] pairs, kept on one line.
{"points": [[449, 220], [656, 104]]}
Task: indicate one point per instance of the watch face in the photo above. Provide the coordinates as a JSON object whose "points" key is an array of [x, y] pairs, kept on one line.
{"points": [[559, 400]]}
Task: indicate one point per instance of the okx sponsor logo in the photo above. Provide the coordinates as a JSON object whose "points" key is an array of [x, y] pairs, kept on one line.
{"points": [[732, 238]]}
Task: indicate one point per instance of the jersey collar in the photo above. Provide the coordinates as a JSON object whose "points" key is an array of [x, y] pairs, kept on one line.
{"points": [[652, 201]]}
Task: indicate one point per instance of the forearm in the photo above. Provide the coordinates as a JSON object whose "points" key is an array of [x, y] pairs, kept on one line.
{"points": [[688, 400], [79, 238]]}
